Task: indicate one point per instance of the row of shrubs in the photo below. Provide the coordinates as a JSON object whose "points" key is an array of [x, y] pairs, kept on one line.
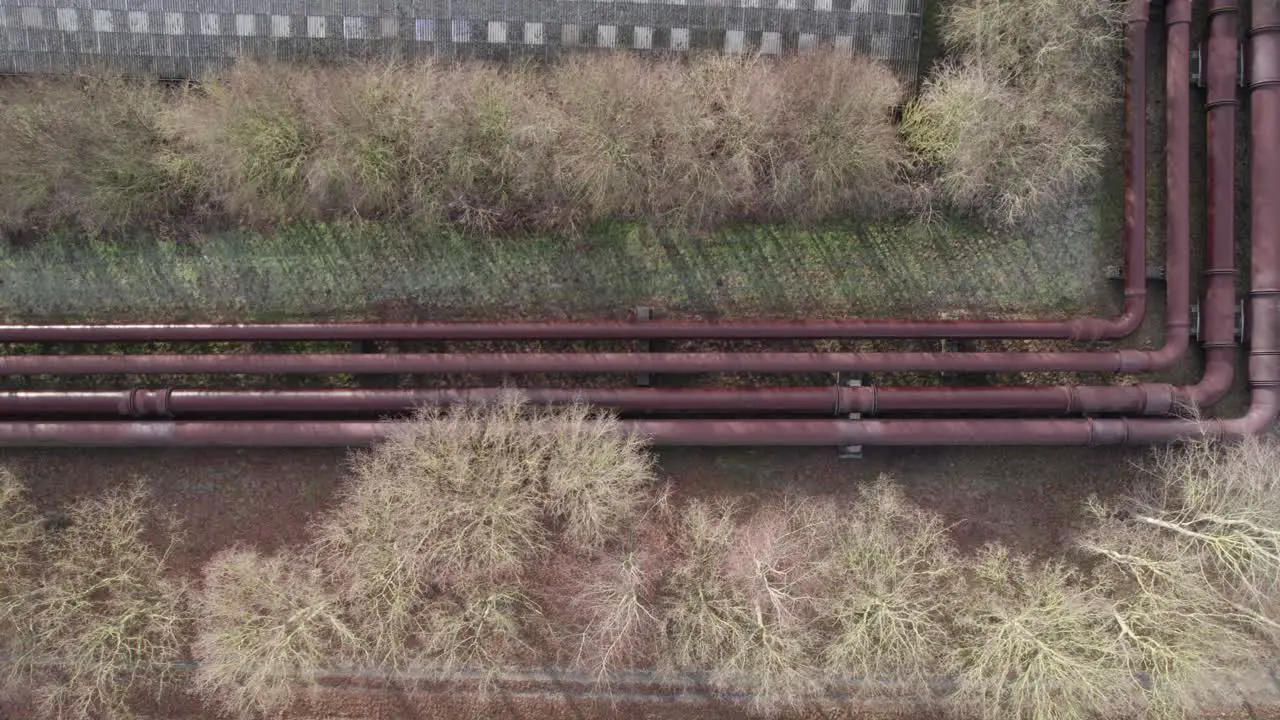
{"points": [[1014, 120], [502, 537], [1005, 127], [486, 148]]}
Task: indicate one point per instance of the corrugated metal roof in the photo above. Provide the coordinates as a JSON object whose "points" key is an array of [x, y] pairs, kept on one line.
{"points": [[185, 38]]}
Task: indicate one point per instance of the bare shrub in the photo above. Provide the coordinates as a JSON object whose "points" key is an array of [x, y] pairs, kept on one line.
{"points": [[454, 502], [104, 620], [599, 479], [1013, 124], [19, 532], [492, 134], [891, 585], [840, 153], [619, 597], [19, 528], [998, 151], [721, 154], [1170, 624], [1218, 505], [1196, 554], [737, 606], [89, 153], [1037, 643], [265, 625], [483, 629]]}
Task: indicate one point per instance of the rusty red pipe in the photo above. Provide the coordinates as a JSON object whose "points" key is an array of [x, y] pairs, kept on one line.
{"points": [[1218, 323], [1264, 360], [1079, 328], [1153, 399]]}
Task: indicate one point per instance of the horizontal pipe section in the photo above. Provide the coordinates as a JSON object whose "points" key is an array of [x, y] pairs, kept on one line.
{"points": [[1123, 361], [710, 433], [1147, 399]]}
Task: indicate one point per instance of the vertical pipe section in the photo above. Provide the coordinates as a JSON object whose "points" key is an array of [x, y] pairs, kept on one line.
{"points": [[1217, 334]]}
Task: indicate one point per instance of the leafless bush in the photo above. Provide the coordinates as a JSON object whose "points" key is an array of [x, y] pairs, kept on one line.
{"points": [[1218, 506], [999, 150], [1012, 124], [599, 479], [264, 626], [452, 503], [737, 604], [103, 619], [19, 532], [248, 133], [482, 629], [1169, 624], [723, 152], [891, 586], [369, 122], [1195, 554], [1037, 642], [619, 596], [615, 131]]}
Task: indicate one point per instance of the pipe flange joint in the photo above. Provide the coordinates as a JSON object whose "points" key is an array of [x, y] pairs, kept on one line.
{"points": [[143, 403]]}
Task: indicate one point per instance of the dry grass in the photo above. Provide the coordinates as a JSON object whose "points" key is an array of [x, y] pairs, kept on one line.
{"points": [[87, 153], [103, 619], [249, 134], [892, 584], [265, 625], [840, 153]]}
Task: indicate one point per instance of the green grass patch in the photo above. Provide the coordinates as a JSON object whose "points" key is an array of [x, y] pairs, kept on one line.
{"points": [[381, 271]]}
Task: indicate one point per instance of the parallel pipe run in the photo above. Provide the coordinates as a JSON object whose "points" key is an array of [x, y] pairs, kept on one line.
{"points": [[1264, 360], [1079, 328], [1264, 335]]}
